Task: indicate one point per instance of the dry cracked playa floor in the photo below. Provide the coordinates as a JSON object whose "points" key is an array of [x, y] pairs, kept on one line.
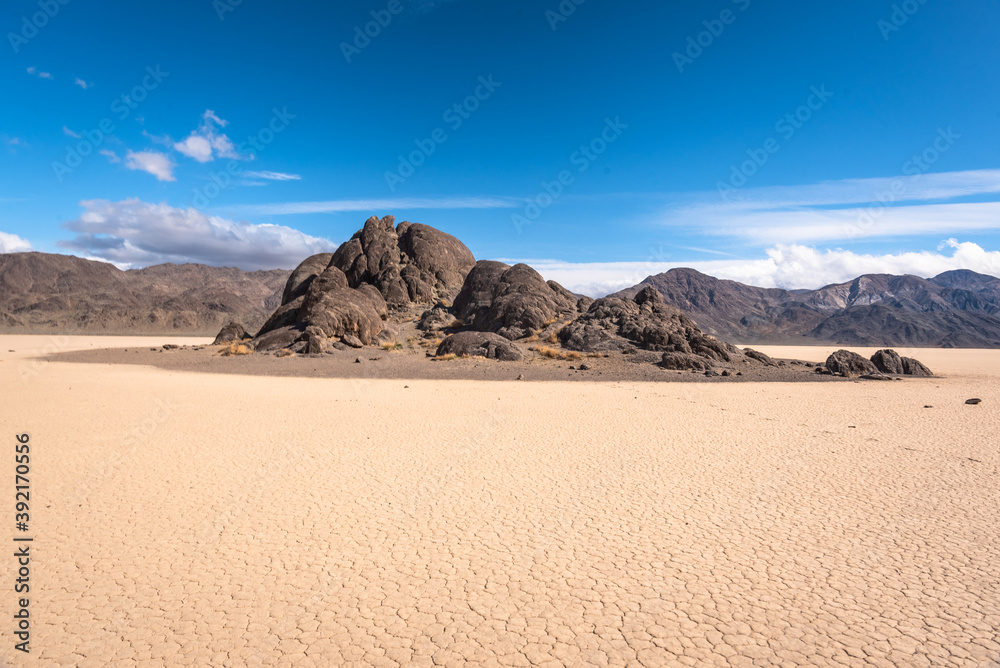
{"points": [[193, 519]]}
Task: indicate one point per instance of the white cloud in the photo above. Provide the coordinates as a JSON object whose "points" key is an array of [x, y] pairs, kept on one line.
{"points": [[11, 243], [70, 133], [82, 84], [916, 204], [110, 155], [40, 75], [789, 266], [339, 206], [137, 233], [273, 176], [206, 143], [158, 164]]}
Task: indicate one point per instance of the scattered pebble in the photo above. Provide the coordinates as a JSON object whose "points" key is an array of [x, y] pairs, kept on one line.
{"points": [[974, 402]]}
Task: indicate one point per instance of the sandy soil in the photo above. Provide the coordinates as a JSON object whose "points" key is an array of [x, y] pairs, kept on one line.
{"points": [[186, 518]]}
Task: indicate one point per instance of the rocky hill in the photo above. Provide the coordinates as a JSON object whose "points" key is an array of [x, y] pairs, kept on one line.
{"points": [[958, 309], [41, 292]]}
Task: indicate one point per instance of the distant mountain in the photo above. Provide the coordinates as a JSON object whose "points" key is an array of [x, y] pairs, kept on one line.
{"points": [[41, 292], [959, 309]]}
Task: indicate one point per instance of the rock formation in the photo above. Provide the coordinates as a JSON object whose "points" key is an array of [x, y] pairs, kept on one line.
{"points": [[481, 344], [345, 297]]}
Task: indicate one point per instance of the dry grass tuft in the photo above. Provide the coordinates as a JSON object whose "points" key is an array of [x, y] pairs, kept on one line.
{"points": [[556, 354], [446, 358], [394, 345], [235, 348]]}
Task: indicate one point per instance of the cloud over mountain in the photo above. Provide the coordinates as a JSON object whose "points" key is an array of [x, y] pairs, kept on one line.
{"points": [[137, 233]]}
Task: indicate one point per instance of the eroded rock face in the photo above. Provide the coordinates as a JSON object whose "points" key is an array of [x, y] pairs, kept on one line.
{"points": [[411, 263], [522, 303], [645, 321], [474, 300], [481, 344], [850, 365]]}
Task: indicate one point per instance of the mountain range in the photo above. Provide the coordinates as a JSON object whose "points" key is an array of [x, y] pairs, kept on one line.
{"points": [[956, 309], [42, 293]]}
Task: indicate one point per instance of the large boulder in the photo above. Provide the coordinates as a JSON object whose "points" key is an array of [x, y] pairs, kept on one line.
{"points": [[410, 264], [912, 367], [888, 361], [685, 362], [474, 300], [231, 331], [523, 303], [849, 364], [758, 356], [342, 311], [480, 344]]}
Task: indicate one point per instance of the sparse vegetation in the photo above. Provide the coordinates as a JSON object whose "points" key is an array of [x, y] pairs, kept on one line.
{"points": [[445, 358], [235, 348], [392, 345], [556, 354]]}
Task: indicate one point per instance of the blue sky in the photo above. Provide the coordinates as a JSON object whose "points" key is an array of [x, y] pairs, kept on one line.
{"points": [[778, 143]]}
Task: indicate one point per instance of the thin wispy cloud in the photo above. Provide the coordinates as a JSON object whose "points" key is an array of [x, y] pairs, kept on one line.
{"points": [[82, 84], [41, 75], [70, 133], [919, 204], [110, 155], [273, 176], [340, 206]]}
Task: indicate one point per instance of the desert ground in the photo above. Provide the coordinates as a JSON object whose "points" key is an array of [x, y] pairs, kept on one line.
{"points": [[225, 519]]}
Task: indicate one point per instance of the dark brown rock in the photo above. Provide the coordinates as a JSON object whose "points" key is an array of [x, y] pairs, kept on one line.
{"points": [[912, 367], [684, 362], [476, 295], [342, 311], [231, 331], [759, 356], [522, 304], [481, 344], [850, 365], [888, 361], [303, 276]]}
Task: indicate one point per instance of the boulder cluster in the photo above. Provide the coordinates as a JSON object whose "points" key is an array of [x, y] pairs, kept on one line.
{"points": [[882, 363]]}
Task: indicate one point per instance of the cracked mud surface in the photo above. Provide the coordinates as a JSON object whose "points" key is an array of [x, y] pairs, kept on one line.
{"points": [[196, 519]]}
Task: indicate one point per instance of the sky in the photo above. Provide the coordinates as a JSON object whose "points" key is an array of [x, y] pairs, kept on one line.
{"points": [[777, 143]]}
